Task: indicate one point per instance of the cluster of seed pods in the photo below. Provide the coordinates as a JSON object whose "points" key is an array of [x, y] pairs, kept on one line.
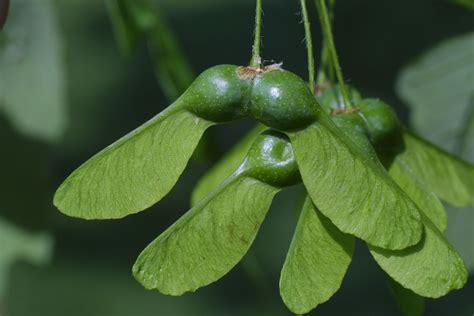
{"points": [[326, 148]]}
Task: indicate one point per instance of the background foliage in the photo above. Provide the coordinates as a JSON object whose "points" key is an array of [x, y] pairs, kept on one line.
{"points": [[66, 92]]}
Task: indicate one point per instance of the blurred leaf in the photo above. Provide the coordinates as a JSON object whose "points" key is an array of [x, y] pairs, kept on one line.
{"points": [[133, 19], [125, 29], [17, 244], [33, 79], [438, 87], [369, 204], [416, 189], [432, 268], [469, 4], [136, 171], [316, 262], [226, 166], [409, 303], [449, 177], [209, 240]]}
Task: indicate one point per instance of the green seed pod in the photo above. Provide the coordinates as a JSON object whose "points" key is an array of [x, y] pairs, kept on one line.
{"points": [[354, 126], [217, 94], [330, 98], [383, 125], [271, 160], [282, 100]]}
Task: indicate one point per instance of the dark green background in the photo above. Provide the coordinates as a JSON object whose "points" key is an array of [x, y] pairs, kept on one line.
{"points": [[109, 95]]}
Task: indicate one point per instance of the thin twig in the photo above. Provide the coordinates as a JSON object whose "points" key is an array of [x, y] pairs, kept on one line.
{"points": [[256, 59], [309, 44], [328, 37]]}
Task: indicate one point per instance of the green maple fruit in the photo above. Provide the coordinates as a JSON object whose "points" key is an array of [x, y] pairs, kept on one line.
{"points": [[139, 169], [215, 234], [305, 283], [212, 237], [390, 212]]}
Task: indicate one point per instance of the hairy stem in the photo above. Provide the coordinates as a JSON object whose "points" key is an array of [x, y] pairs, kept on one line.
{"points": [[325, 65], [328, 37], [256, 60], [309, 44]]}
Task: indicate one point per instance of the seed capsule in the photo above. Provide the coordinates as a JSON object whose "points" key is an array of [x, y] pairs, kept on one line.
{"points": [[353, 125], [282, 100], [330, 98], [271, 160], [383, 126], [217, 94]]}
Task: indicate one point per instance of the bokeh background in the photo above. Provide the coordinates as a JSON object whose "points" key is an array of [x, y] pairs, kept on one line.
{"points": [[66, 92]]}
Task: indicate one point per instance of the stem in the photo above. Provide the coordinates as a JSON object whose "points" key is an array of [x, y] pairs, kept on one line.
{"points": [[332, 50], [255, 61], [309, 45], [326, 68]]}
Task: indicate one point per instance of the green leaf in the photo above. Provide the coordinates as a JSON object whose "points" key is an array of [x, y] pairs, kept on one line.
{"points": [[33, 78], [451, 178], [209, 240], [410, 303], [352, 188], [417, 190], [432, 268], [316, 262], [226, 166], [136, 171]]}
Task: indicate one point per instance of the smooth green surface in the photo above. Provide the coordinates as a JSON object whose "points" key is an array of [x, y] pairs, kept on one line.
{"points": [[316, 263], [218, 94], [33, 79], [208, 241], [353, 190], [136, 171], [281, 100], [417, 190], [226, 166], [451, 178], [271, 160], [382, 123], [431, 268], [410, 303]]}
